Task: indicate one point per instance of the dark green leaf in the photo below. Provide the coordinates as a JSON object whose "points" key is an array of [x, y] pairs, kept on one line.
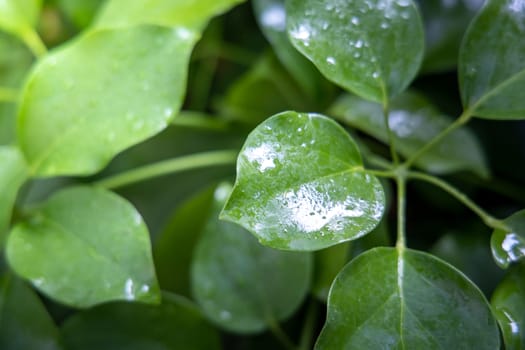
{"points": [[241, 285], [24, 322], [508, 303], [403, 299], [509, 247], [85, 246], [492, 62], [19, 16], [372, 48], [175, 324], [301, 185], [414, 121], [117, 88]]}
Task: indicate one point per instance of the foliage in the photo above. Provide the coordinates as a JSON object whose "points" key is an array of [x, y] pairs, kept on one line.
{"points": [[124, 223]]}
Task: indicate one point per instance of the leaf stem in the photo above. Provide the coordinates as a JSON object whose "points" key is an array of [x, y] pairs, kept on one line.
{"points": [[401, 212], [488, 219], [391, 140], [309, 325], [34, 42], [8, 94], [280, 335], [199, 120], [169, 166]]}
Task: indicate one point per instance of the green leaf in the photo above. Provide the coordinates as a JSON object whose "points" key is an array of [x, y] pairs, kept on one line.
{"points": [[509, 247], [85, 246], [508, 303], [301, 185], [13, 174], [414, 121], [80, 13], [241, 285], [24, 321], [328, 263], [403, 299], [372, 48], [19, 16], [175, 324], [117, 88], [190, 14], [492, 62]]}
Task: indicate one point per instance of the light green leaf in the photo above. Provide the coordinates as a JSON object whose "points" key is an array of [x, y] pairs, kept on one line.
{"points": [[492, 62], [509, 247], [13, 174], [85, 246], [372, 48], [117, 88], [175, 324], [191, 14], [241, 285], [508, 303], [24, 321], [414, 121], [301, 185], [403, 299], [19, 16]]}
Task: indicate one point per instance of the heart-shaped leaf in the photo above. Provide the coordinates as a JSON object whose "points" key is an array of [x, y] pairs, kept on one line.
{"points": [[492, 62], [175, 324], [390, 298], [509, 247], [301, 185], [241, 285], [85, 246], [372, 48], [117, 88], [24, 321], [414, 121], [508, 303]]}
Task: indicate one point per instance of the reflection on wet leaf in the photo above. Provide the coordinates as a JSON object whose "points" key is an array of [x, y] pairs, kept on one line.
{"points": [[509, 247]]}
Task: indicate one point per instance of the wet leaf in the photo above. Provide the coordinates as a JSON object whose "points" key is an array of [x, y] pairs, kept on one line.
{"points": [[85, 246], [492, 62], [241, 285], [19, 16], [414, 121], [175, 324], [117, 88], [194, 14], [509, 247], [372, 48], [24, 321], [403, 299], [288, 205], [508, 303], [13, 174]]}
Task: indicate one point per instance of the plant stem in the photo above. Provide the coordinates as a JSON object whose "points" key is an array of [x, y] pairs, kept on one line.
{"points": [[169, 166], [8, 94], [488, 219], [34, 43], [199, 120], [309, 325], [401, 211], [391, 140], [280, 335]]}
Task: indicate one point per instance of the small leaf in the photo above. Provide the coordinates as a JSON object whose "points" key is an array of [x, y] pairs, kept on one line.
{"points": [[403, 299], [194, 14], [85, 246], [117, 88], [508, 303], [372, 48], [24, 321], [414, 121], [19, 16], [241, 285], [13, 174], [492, 62], [509, 247], [175, 324], [289, 205]]}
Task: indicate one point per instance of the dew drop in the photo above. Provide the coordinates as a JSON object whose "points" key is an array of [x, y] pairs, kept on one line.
{"points": [[331, 60], [359, 44], [355, 21]]}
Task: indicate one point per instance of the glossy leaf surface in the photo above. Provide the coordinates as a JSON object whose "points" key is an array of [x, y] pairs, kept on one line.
{"points": [[118, 87], [85, 246], [404, 299], [492, 62], [175, 324], [24, 321], [13, 173], [18, 16], [194, 14], [414, 121], [372, 48], [509, 247], [508, 303], [300, 185], [241, 285]]}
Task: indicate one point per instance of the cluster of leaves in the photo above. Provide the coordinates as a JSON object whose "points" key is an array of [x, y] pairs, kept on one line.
{"points": [[309, 220]]}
